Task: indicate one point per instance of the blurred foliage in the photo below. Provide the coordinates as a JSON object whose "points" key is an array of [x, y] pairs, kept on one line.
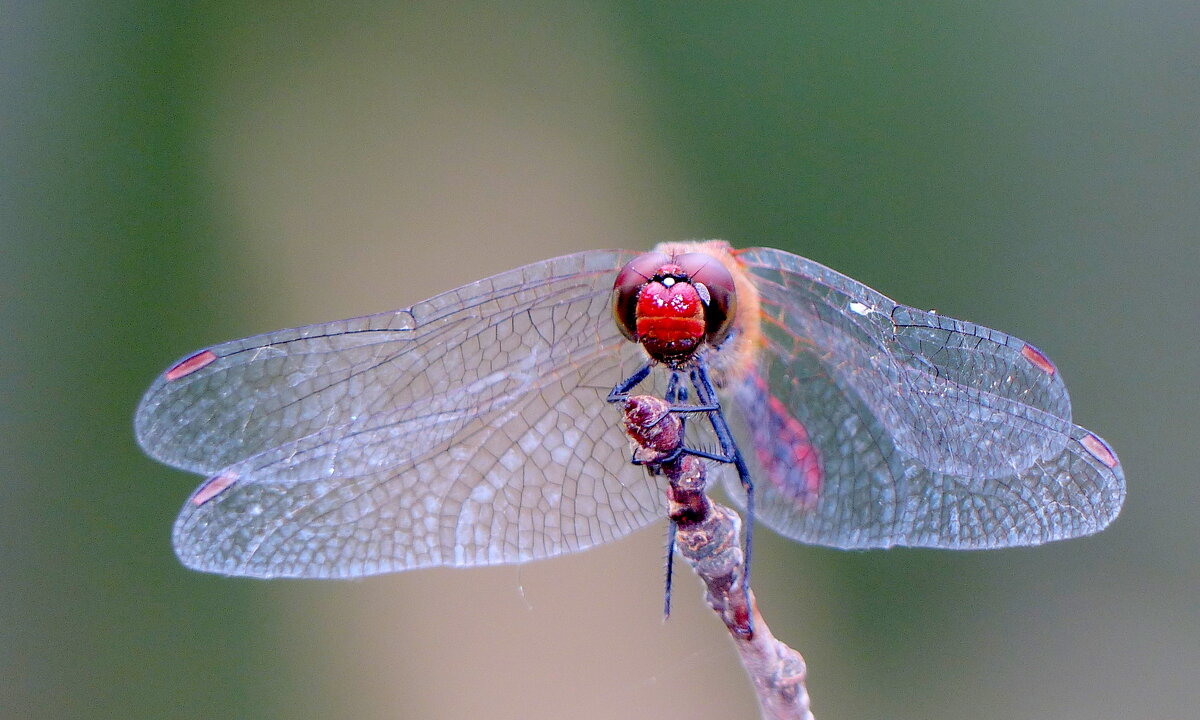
{"points": [[1031, 167]]}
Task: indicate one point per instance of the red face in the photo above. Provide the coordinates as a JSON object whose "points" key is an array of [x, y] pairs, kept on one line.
{"points": [[673, 305]]}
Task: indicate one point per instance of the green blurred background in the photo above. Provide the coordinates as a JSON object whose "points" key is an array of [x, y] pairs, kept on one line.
{"points": [[177, 174]]}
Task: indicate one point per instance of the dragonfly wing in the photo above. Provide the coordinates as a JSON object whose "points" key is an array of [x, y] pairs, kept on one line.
{"points": [[872, 424], [1077, 492], [959, 397], [827, 472], [468, 429]]}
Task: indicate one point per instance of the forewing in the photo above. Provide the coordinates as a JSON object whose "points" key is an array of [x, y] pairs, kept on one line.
{"points": [[961, 398], [468, 429]]}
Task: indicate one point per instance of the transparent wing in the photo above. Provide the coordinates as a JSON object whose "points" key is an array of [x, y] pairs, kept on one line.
{"points": [[872, 424], [959, 397], [468, 429]]}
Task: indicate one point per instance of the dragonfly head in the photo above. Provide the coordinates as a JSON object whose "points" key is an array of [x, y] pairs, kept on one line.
{"points": [[672, 305]]}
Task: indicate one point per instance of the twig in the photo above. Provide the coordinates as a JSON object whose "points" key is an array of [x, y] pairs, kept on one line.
{"points": [[707, 535]]}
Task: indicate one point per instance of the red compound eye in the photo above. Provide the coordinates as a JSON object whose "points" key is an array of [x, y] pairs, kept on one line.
{"points": [[707, 270], [629, 283]]}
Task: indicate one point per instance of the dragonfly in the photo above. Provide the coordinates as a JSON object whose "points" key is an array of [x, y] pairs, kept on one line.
{"points": [[477, 428]]}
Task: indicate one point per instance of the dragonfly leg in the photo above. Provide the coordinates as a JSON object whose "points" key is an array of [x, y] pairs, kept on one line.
{"points": [[671, 530], [707, 395], [666, 459], [621, 391]]}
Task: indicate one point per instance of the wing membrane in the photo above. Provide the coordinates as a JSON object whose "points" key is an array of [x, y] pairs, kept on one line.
{"points": [[468, 429], [924, 430], [871, 494], [959, 397]]}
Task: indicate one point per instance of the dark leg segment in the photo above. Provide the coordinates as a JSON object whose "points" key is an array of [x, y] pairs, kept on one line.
{"points": [[706, 402], [707, 395]]}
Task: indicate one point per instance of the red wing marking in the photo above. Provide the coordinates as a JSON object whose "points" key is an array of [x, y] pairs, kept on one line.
{"points": [[213, 487], [191, 365], [1039, 359], [1099, 449], [783, 449]]}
